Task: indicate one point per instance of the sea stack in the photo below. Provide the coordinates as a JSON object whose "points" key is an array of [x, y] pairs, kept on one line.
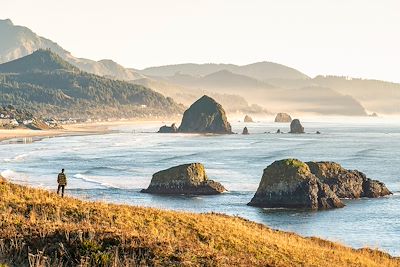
{"points": [[347, 183], [283, 117], [205, 116], [289, 183], [296, 127], [184, 179], [247, 118], [245, 131], [168, 129]]}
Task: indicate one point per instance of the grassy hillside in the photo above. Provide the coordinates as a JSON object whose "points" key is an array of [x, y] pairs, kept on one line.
{"points": [[38, 226], [46, 84]]}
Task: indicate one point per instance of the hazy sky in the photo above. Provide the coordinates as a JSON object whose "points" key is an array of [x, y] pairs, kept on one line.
{"points": [[360, 38]]}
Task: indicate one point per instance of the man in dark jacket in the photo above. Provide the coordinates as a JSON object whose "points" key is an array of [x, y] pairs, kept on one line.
{"points": [[62, 182]]}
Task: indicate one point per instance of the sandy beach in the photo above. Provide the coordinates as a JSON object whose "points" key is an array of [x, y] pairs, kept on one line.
{"points": [[81, 129], [72, 129]]}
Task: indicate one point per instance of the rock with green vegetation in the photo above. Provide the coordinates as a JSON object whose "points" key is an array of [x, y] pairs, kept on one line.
{"points": [[168, 129], [347, 183], [247, 118], [205, 116], [283, 117], [296, 127], [289, 183], [184, 179]]}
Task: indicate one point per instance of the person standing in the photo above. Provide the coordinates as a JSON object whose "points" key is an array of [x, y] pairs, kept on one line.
{"points": [[62, 182]]}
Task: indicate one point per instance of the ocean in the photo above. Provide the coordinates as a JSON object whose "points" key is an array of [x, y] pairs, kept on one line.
{"points": [[114, 167]]}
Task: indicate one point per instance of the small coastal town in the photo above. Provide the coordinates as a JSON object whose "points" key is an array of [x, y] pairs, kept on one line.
{"points": [[13, 118]]}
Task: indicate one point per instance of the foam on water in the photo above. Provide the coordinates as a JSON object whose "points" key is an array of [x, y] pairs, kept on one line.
{"points": [[17, 158]]}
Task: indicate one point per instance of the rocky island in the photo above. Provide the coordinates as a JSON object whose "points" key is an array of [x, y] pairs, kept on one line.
{"points": [[168, 129], [188, 179], [283, 117], [247, 118], [291, 183], [296, 127], [205, 116]]}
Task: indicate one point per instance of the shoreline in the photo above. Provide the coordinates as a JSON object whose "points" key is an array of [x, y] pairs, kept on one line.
{"points": [[92, 128]]}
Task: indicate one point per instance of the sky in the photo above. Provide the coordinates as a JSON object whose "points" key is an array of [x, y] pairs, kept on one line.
{"points": [[355, 38]]}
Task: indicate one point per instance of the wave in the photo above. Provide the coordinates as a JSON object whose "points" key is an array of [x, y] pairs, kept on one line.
{"points": [[17, 158], [181, 156], [106, 168], [87, 179], [14, 176], [364, 152]]}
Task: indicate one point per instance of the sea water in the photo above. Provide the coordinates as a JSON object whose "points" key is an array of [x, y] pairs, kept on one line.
{"points": [[114, 167]]}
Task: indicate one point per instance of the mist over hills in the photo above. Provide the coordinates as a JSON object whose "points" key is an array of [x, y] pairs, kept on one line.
{"points": [[49, 86], [186, 96], [19, 41], [250, 88], [262, 71], [312, 98]]}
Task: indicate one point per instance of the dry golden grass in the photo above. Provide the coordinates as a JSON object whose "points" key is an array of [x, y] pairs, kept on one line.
{"points": [[38, 228]]}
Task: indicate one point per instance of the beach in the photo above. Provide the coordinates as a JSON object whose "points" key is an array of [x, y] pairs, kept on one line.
{"points": [[91, 128]]}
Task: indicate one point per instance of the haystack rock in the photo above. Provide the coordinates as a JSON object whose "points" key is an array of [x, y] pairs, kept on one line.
{"points": [[245, 131], [289, 183], [347, 183], [205, 116], [283, 117], [184, 179], [168, 129], [296, 127], [247, 118]]}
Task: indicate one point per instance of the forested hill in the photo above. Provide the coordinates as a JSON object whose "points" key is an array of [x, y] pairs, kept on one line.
{"points": [[49, 86]]}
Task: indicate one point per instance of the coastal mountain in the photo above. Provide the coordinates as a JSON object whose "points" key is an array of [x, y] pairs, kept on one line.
{"points": [[19, 41], [49, 86], [262, 71], [186, 96], [316, 100], [374, 95], [39, 61], [308, 99], [265, 85]]}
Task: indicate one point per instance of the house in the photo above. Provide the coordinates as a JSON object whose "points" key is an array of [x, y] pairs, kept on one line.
{"points": [[8, 122]]}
